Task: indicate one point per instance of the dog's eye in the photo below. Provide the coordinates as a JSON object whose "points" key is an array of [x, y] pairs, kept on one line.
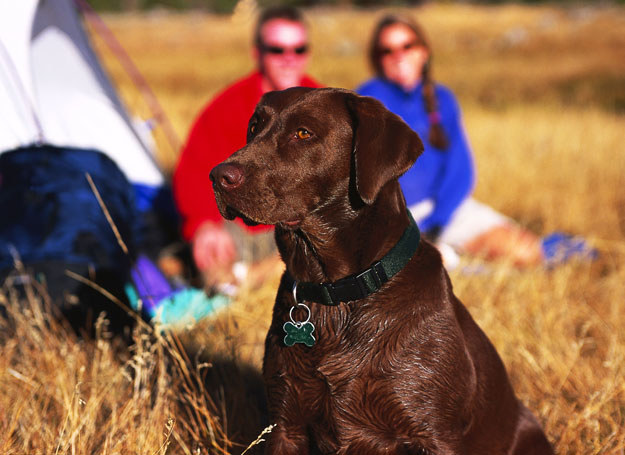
{"points": [[302, 133], [252, 129]]}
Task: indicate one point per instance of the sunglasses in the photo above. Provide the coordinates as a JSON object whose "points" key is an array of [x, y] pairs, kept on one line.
{"points": [[384, 51], [277, 50]]}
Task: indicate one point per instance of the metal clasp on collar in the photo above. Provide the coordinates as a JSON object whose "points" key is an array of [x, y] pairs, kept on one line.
{"points": [[376, 274], [357, 286]]}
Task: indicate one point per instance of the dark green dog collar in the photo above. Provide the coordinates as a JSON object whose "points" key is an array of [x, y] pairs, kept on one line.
{"points": [[361, 285]]}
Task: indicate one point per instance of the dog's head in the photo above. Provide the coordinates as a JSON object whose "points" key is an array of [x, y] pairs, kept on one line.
{"points": [[310, 150]]}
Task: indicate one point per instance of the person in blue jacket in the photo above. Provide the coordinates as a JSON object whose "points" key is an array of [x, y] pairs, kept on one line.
{"points": [[438, 187]]}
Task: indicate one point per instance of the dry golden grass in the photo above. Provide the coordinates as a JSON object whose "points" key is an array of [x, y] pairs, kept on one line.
{"points": [[539, 87]]}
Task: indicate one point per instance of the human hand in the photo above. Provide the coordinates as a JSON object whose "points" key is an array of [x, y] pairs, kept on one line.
{"points": [[214, 253], [507, 241]]}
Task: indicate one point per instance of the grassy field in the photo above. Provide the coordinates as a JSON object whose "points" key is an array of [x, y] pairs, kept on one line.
{"points": [[543, 97]]}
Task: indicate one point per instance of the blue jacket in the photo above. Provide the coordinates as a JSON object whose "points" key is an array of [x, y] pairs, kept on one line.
{"points": [[444, 176]]}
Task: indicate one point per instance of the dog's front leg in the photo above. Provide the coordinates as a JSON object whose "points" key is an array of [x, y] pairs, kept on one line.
{"points": [[290, 435], [287, 440]]}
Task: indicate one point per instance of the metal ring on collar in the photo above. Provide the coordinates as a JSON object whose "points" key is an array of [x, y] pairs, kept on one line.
{"points": [[295, 291], [299, 323]]}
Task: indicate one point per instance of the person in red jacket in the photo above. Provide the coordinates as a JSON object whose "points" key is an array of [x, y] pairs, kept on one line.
{"points": [[281, 51]]}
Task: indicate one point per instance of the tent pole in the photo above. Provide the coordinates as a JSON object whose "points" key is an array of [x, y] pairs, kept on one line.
{"points": [[131, 69]]}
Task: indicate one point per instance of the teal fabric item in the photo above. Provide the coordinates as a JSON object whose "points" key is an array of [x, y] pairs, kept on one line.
{"points": [[187, 306], [151, 294], [182, 308]]}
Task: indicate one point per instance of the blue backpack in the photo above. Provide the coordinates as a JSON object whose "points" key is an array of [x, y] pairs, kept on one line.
{"points": [[50, 213]]}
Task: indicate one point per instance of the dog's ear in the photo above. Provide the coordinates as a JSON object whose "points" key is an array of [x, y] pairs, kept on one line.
{"points": [[384, 147]]}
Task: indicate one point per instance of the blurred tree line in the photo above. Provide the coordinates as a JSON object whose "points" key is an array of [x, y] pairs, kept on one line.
{"points": [[226, 6]]}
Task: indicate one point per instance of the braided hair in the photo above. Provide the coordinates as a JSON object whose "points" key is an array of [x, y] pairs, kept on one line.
{"points": [[436, 134]]}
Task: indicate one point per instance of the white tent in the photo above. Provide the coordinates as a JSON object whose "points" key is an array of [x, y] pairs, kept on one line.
{"points": [[54, 91]]}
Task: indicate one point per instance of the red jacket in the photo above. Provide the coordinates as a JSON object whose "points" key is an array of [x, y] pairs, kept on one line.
{"points": [[218, 132]]}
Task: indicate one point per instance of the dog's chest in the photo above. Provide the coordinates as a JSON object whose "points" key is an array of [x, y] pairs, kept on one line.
{"points": [[359, 406], [339, 387]]}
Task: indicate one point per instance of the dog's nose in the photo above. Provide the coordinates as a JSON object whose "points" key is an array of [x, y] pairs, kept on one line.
{"points": [[227, 175]]}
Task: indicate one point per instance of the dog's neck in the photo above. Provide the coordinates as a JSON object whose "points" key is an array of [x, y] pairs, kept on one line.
{"points": [[319, 252]]}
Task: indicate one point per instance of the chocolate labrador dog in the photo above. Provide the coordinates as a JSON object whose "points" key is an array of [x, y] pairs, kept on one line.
{"points": [[369, 351]]}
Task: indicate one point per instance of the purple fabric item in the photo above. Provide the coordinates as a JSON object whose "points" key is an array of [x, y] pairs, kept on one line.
{"points": [[151, 285]]}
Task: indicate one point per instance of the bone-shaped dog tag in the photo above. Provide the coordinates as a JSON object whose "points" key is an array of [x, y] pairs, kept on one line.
{"points": [[299, 332]]}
